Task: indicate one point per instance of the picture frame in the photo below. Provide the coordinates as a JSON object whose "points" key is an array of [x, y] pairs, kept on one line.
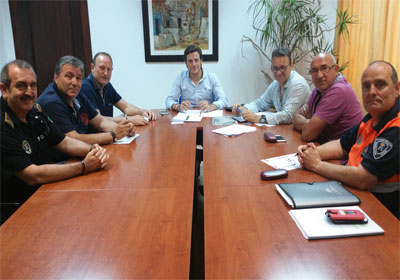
{"points": [[174, 25]]}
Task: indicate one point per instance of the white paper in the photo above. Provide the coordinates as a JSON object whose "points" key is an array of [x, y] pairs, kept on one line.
{"points": [[288, 162], [187, 117], [215, 113], [126, 139], [314, 224], [234, 129]]}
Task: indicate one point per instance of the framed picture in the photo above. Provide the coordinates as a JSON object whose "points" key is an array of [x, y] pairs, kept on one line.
{"points": [[171, 25]]}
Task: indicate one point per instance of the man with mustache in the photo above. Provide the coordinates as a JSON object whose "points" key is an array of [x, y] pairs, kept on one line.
{"points": [[26, 136], [102, 95], [286, 94], [196, 87], [333, 106], [372, 147], [72, 112]]}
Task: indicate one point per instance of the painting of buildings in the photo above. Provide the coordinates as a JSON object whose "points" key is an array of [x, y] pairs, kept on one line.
{"points": [[180, 23]]}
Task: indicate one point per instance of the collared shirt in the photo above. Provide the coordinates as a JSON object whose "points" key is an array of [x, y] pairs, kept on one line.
{"points": [[338, 106], [67, 118], [24, 144], [208, 88], [294, 95], [376, 148], [102, 101]]}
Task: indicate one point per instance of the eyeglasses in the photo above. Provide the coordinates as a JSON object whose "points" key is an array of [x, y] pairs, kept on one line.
{"points": [[280, 68], [324, 69]]}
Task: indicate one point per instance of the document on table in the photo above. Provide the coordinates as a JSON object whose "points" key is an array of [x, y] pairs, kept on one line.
{"points": [[187, 117], [126, 139], [215, 113], [288, 162], [314, 224], [234, 129]]}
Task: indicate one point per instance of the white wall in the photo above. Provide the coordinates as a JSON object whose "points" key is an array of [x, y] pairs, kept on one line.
{"points": [[7, 52], [117, 27]]}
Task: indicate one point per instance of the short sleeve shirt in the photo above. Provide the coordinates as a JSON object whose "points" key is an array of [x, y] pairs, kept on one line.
{"points": [[103, 102], [381, 153], [24, 144], [67, 118], [338, 106]]}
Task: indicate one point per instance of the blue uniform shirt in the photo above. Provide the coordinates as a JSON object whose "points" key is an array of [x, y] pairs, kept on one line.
{"points": [[103, 103], [64, 116]]}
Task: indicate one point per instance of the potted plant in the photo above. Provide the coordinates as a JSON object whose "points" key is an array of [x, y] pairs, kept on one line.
{"points": [[297, 25]]}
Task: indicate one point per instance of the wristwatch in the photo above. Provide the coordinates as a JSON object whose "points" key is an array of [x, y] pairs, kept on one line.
{"points": [[263, 119]]}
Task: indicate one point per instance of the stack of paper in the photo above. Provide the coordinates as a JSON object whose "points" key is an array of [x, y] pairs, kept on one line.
{"points": [[314, 224], [234, 129], [187, 117]]}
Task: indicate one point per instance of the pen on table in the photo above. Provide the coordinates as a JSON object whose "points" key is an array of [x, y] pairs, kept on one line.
{"points": [[187, 117]]}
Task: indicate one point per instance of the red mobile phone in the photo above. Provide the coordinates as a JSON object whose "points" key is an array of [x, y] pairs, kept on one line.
{"points": [[346, 216]]}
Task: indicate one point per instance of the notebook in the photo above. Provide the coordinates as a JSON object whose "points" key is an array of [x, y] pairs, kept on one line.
{"points": [[317, 194], [314, 224]]}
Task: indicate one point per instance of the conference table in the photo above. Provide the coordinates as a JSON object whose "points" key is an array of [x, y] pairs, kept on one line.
{"points": [[134, 218]]}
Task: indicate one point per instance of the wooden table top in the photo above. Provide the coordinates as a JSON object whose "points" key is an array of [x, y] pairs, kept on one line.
{"points": [[134, 219], [250, 234]]}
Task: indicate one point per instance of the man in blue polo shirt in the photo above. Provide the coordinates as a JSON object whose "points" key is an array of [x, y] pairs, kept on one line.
{"points": [[72, 112], [102, 95]]}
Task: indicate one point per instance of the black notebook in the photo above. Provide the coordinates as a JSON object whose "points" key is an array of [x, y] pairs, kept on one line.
{"points": [[317, 194]]}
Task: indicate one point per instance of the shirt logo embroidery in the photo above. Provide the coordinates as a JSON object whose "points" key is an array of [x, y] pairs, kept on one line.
{"points": [[26, 147], [85, 118], [381, 147]]}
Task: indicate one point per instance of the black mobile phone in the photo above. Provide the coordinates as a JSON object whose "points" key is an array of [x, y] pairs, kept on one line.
{"points": [[164, 112], [280, 138]]}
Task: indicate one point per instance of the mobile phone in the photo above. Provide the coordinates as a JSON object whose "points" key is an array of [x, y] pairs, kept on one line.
{"points": [[273, 174], [239, 118], [346, 216], [164, 112], [280, 138]]}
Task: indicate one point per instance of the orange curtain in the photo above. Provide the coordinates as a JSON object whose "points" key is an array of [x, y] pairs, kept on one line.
{"points": [[375, 37]]}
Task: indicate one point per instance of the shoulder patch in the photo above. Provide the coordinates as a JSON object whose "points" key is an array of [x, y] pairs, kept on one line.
{"points": [[8, 120], [38, 107], [381, 147]]}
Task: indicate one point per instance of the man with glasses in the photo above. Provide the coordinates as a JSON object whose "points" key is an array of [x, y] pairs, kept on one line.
{"points": [[332, 108], [284, 96], [372, 147], [26, 136]]}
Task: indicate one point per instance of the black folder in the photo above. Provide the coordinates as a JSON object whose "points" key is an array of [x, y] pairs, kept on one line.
{"points": [[316, 194]]}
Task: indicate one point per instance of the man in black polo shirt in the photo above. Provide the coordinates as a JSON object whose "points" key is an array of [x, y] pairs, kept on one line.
{"points": [[27, 134]]}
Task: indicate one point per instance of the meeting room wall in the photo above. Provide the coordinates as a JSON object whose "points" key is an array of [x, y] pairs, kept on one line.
{"points": [[116, 27]]}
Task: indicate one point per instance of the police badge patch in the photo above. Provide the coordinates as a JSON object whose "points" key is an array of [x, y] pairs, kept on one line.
{"points": [[381, 147], [26, 147]]}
